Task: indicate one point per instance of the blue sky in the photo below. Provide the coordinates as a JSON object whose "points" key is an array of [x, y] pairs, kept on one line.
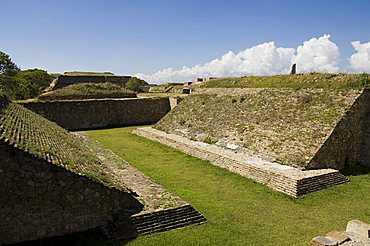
{"points": [[129, 37]]}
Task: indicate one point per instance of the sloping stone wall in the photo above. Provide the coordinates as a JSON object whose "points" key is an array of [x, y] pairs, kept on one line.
{"points": [[66, 80], [39, 200], [303, 128], [343, 147], [92, 114]]}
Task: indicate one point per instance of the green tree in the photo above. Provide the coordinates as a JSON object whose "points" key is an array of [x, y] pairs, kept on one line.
{"points": [[32, 82], [135, 83], [7, 67]]}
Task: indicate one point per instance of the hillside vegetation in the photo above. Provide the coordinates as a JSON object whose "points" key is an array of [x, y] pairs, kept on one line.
{"points": [[311, 80], [88, 91]]}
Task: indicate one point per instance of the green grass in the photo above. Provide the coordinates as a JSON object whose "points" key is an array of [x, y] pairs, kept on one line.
{"points": [[88, 91], [311, 80], [239, 211]]}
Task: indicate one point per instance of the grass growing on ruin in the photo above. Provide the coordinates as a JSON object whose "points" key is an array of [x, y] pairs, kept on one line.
{"points": [[312, 80], [239, 211], [88, 91]]}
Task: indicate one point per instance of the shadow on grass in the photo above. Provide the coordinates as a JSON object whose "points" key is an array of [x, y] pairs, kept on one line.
{"points": [[355, 170], [89, 237]]}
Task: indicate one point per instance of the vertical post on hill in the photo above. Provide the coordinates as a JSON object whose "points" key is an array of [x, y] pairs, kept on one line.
{"points": [[294, 69]]}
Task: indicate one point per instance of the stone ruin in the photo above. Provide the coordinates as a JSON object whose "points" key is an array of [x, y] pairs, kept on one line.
{"points": [[66, 80], [357, 234], [295, 149], [52, 184]]}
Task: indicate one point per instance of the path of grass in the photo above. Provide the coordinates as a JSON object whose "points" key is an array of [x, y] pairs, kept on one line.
{"points": [[239, 211]]}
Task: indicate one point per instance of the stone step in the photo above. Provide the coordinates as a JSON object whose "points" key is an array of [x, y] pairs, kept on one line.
{"points": [[156, 221], [164, 219], [171, 225]]}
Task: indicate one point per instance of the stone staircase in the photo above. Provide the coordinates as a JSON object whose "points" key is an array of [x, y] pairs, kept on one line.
{"points": [[167, 220], [316, 183], [123, 227]]}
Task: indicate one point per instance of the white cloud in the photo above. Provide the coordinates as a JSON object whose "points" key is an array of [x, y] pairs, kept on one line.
{"points": [[264, 59], [320, 55], [360, 61]]}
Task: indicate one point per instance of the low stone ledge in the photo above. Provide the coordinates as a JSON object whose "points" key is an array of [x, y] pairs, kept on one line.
{"points": [[357, 234], [360, 230], [285, 179]]}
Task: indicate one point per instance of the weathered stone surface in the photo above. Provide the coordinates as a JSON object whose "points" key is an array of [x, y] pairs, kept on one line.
{"points": [[39, 206], [339, 236], [323, 241], [286, 179], [66, 80], [90, 114], [320, 128], [358, 229]]}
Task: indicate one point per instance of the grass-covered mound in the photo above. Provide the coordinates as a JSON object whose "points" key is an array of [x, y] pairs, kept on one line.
{"points": [[28, 131], [312, 80], [283, 125], [88, 91], [79, 73]]}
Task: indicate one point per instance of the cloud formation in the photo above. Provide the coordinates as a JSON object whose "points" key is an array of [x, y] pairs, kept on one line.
{"points": [[317, 54], [360, 61]]}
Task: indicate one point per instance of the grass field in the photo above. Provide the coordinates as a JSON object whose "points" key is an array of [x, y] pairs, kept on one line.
{"points": [[238, 210], [298, 81]]}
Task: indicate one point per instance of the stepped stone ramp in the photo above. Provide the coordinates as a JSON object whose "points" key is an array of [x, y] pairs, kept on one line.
{"points": [[308, 128], [286, 179], [152, 222], [162, 210]]}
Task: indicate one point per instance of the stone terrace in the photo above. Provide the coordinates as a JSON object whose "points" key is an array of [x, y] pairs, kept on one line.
{"points": [[285, 179]]}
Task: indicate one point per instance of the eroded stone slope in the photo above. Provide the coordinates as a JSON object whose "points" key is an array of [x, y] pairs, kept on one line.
{"points": [[28, 131], [284, 125]]}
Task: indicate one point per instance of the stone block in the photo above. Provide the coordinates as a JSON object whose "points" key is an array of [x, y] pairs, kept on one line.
{"points": [[339, 236], [323, 241], [358, 229]]}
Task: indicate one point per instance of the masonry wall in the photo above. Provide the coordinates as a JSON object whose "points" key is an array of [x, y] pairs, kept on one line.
{"points": [[92, 114], [65, 80], [38, 199], [343, 147]]}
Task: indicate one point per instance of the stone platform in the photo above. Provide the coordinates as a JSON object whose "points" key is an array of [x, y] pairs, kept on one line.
{"points": [[288, 180]]}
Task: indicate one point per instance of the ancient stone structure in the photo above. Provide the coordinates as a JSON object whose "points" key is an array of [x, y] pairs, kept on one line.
{"points": [[52, 183], [356, 234], [285, 179], [305, 128], [66, 80], [295, 149], [92, 114]]}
